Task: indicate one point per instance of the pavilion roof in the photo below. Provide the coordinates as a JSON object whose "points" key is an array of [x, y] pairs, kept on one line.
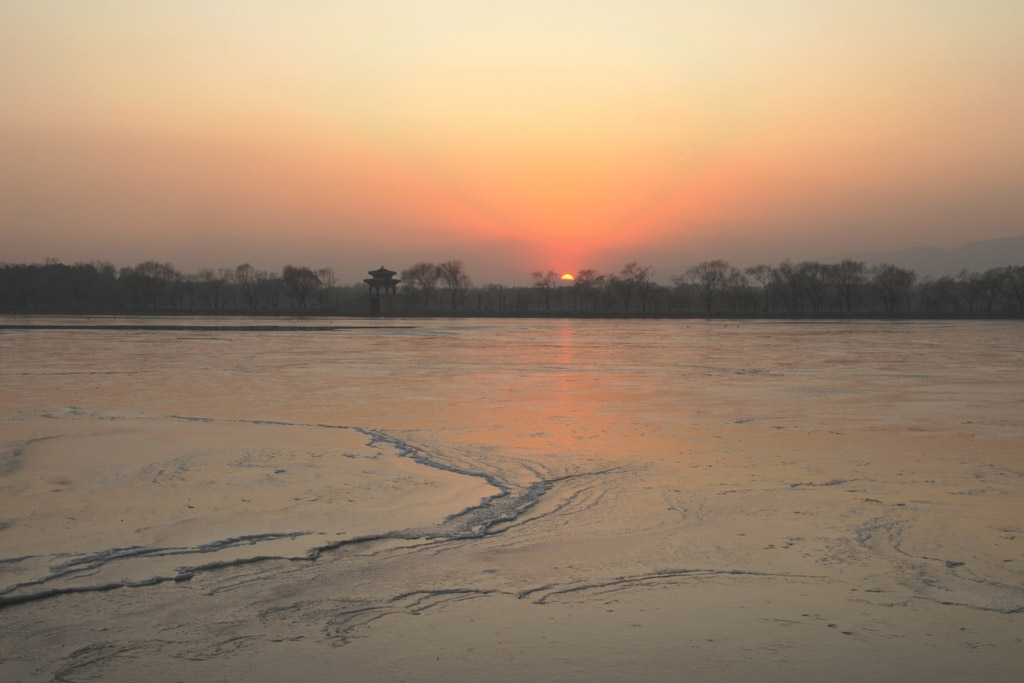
{"points": [[381, 276]]}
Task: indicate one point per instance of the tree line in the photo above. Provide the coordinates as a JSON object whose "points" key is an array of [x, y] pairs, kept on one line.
{"points": [[851, 288], [160, 287], [808, 288]]}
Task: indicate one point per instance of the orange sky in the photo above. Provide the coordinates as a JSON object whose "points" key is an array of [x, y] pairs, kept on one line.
{"points": [[516, 136]]}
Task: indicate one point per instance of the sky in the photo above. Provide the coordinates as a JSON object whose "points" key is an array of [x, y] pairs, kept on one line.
{"points": [[515, 135]]}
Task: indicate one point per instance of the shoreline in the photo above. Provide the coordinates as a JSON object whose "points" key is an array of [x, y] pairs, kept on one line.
{"points": [[412, 318]]}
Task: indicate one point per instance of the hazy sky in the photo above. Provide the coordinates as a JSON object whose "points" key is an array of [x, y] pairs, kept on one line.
{"points": [[513, 134]]}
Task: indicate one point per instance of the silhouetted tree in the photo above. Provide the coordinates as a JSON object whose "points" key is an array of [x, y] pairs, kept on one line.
{"points": [[492, 298], [211, 286], [990, 285], [586, 288], [642, 285], [422, 277], [938, 296], [300, 282], [153, 281], [737, 291], [894, 284], [455, 279], [763, 274], [327, 283], [95, 284], [812, 283], [270, 287], [786, 282], [848, 279], [632, 282], [1015, 285], [546, 283], [55, 285], [522, 298], [709, 277], [245, 278], [969, 288]]}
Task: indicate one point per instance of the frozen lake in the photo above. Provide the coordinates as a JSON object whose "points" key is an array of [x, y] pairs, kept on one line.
{"points": [[495, 500]]}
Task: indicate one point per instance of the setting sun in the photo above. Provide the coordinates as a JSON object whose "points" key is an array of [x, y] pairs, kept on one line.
{"points": [[567, 277]]}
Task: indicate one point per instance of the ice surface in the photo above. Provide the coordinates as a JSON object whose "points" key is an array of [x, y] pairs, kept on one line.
{"points": [[511, 500]]}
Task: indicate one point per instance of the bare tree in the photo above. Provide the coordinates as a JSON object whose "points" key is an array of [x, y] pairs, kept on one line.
{"points": [[1015, 284], [546, 284], [455, 279], [813, 283], [327, 282], [763, 274], [492, 297], [709, 277], [586, 288], [737, 290], [270, 288], [422, 277], [643, 286], [848, 279], [894, 285], [211, 286], [991, 284], [969, 288], [155, 280], [245, 278], [300, 282], [939, 296], [632, 282], [786, 281]]}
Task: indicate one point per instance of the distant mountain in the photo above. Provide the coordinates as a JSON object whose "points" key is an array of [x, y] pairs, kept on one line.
{"points": [[974, 256]]}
